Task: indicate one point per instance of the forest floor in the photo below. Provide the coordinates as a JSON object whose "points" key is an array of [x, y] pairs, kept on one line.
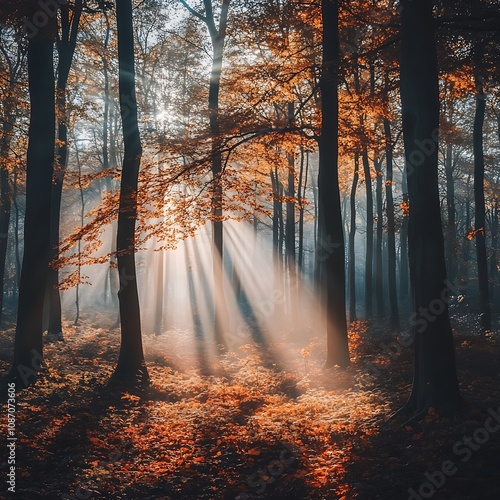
{"points": [[243, 430]]}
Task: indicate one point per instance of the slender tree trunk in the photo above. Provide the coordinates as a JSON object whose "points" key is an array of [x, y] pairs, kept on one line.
{"points": [[352, 237], [330, 217], [316, 270], [391, 229], [217, 36], [17, 250], [468, 228], [66, 48], [494, 247], [304, 158], [379, 271], [277, 247], [159, 293], [435, 382], [451, 212], [479, 204], [28, 350], [290, 222], [404, 282], [131, 365], [82, 220], [5, 197]]}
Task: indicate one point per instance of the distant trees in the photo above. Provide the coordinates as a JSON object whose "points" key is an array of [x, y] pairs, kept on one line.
{"points": [[13, 66]]}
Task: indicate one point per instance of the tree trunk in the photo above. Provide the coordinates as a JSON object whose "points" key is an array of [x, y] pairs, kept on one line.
{"points": [[217, 36], [330, 217], [352, 235], [277, 247], [158, 326], [28, 350], [494, 246], [131, 366], [5, 196], [379, 272], [304, 170], [391, 230], [479, 204], [66, 48], [404, 284], [435, 382], [451, 211]]}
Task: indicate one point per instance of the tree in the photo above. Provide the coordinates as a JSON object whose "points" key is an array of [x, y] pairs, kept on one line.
{"points": [[66, 44], [330, 217], [28, 349], [391, 231], [352, 235], [479, 204], [131, 366], [14, 63], [435, 382], [217, 37]]}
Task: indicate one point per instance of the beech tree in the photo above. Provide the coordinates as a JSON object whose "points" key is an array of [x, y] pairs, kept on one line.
{"points": [[330, 217], [435, 382], [217, 32], [13, 65], [66, 44], [28, 349], [131, 365]]}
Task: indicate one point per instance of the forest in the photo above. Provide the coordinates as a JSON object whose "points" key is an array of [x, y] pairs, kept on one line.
{"points": [[249, 249]]}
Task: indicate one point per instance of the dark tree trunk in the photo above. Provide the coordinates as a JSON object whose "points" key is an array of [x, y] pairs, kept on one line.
{"points": [[379, 271], [352, 235], [304, 170], [131, 366], [468, 228], [435, 381], [404, 284], [290, 221], [277, 231], [369, 235], [5, 196], [66, 48], [494, 247], [28, 350], [391, 230], [217, 36], [330, 217], [479, 205], [451, 242]]}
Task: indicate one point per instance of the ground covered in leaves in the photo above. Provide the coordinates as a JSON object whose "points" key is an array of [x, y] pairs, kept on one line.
{"points": [[244, 427]]}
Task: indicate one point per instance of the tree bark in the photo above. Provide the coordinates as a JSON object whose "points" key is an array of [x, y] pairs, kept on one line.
{"points": [[451, 215], [404, 284], [66, 48], [5, 196], [391, 229], [28, 349], [352, 236], [435, 382], [131, 366], [330, 217], [379, 271], [479, 204], [277, 231]]}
